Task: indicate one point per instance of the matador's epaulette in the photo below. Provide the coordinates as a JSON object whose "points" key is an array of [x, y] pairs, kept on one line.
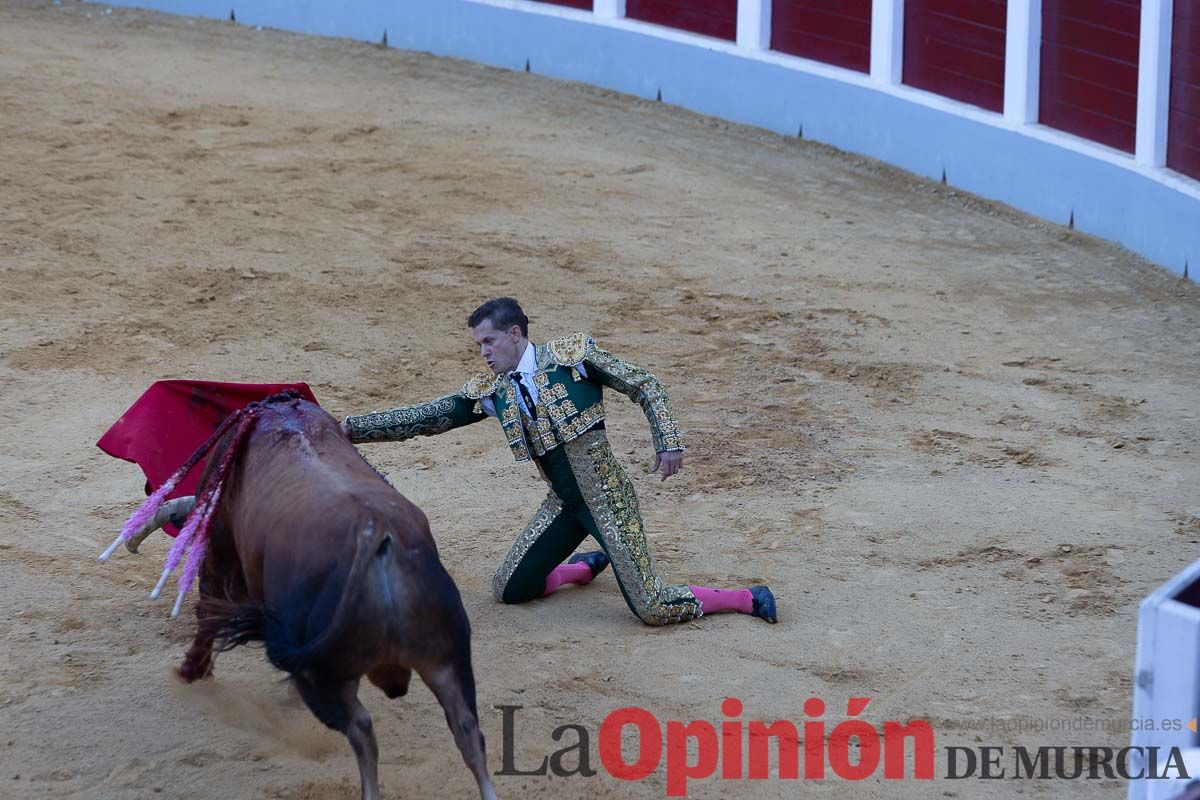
{"points": [[480, 385], [567, 351]]}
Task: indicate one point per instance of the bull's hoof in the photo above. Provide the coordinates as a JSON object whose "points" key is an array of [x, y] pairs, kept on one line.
{"points": [[190, 672]]}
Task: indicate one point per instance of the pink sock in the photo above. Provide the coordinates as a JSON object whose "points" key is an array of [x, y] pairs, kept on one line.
{"points": [[715, 601], [578, 574]]}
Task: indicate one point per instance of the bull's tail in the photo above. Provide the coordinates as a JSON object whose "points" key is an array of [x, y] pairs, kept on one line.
{"points": [[288, 645], [233, 624]]}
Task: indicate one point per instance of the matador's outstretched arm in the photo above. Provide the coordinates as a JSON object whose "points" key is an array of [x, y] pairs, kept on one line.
{"points": [[424, 419]]}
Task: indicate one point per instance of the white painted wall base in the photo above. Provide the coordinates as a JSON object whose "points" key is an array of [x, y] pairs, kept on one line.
{"points": [[1143, 206]]}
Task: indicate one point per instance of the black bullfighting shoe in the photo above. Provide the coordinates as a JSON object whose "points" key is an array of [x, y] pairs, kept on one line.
{"points": [[764, 604], [596, 561]]}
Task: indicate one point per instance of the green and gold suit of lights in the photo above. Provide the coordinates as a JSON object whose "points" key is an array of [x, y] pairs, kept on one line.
{"points": [[590, 494]]}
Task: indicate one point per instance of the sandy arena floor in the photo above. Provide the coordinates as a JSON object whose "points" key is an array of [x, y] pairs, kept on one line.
{"points": [[959, 443]]}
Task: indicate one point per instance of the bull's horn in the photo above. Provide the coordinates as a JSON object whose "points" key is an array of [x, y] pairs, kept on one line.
{"points": [[180, 506], [168, 510]]}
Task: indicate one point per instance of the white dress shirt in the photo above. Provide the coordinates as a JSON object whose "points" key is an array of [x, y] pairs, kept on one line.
{"points": [[526, 366]]}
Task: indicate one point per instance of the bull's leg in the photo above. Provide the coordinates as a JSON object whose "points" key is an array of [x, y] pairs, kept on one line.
{"points": [[221, 579], [454, 686], [338, 707], [392, 680], [198, 661]]}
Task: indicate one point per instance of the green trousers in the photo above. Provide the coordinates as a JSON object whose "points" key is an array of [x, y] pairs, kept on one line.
{"points": [[590, 495]]}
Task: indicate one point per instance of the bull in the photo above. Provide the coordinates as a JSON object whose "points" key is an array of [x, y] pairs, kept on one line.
{"points": [[306, 548]]}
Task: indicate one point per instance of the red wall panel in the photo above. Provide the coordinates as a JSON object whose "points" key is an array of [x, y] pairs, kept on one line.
{"points": [[584, 4], [1090, 69], [708, 17], [956, 48], [834, 31], [1183, 127]]}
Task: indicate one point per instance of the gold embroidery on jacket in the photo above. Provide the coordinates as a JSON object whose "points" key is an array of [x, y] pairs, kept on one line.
{"points": [[400, 424], [567, 351], [480, 385], [644, 389]]}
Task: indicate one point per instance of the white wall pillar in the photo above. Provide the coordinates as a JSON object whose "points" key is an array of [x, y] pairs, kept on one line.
{"points": [[887, 41], [609, 9], [754, 24], [1022, 61], [1154, 82]]}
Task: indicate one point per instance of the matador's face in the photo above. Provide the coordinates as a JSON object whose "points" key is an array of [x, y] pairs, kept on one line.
{"points": [[502, 350]]}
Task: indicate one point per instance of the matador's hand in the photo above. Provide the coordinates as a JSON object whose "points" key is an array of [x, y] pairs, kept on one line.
{"points": [[671, 462]]}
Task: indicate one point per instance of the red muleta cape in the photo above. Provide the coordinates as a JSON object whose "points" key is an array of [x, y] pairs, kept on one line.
{"points": [[171, 419]]}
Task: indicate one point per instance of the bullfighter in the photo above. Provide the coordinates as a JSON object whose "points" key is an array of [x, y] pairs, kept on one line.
{"points": [[548, 399]]}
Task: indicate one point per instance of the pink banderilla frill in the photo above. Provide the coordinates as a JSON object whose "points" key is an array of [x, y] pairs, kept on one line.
{"points": [[190, 570], [192, 540], [199, 516]]}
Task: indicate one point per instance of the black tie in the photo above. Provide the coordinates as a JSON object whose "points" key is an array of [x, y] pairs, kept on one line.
{"points": [[516, 378]]}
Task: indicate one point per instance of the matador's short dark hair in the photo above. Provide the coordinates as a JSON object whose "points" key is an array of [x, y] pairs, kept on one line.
{"points": [[504, 312]]}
